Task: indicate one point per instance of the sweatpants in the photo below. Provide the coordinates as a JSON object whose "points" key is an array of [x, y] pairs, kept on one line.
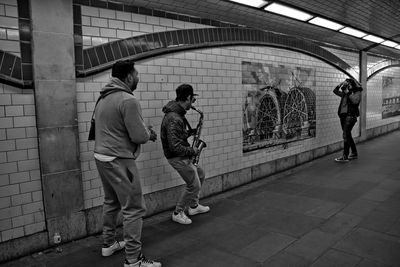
{"points": [[122, 191], [193, 177]]}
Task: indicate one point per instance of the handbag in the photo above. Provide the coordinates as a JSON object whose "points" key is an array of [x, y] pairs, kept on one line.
{"points": [[92, 130]]}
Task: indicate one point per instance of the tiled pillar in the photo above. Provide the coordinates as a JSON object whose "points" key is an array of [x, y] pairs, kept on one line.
{"points": [[363, 104], [55, 93]]}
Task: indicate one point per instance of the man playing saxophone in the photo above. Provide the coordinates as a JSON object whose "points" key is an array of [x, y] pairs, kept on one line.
{"points": [[175, 131]]}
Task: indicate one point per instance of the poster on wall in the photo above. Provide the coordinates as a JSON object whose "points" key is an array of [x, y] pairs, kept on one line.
{"points": [[390, 97], [278, 104]]}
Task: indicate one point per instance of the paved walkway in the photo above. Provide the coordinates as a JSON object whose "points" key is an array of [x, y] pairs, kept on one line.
{"points": [[319, 214]]}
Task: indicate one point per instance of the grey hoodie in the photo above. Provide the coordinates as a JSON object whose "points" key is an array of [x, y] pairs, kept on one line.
{"points": [[120, 128]]}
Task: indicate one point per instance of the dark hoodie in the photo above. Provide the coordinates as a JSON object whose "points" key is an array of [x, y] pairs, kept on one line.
{"points": [[174, 132], [120, 128], [349, 102]]}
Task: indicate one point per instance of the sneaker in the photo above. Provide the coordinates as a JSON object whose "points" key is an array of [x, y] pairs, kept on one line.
{"points": [[108, 251], [199, 209], [342, 159], [142, 262], [181, 218], [353, 156]]}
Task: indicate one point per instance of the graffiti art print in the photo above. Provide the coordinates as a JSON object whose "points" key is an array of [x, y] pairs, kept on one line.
{"points": [[390, 97], [278, 104]]}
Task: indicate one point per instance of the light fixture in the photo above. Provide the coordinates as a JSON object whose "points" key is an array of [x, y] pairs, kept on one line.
{"points": [[253, 3], [397, 47], [288, 12], [373, 38], [353, 32], [390, 43], [326, 23]]}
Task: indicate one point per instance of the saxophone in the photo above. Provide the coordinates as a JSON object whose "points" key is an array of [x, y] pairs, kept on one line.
{"points": [[197, 142]]}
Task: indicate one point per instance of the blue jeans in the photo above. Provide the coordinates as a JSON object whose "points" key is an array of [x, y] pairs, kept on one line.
{"points": [[122, 191], [347, 123], [193, 177]]}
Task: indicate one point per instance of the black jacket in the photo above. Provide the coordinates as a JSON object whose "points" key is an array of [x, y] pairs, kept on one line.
{"points": [[349, 102], [174, 132]]}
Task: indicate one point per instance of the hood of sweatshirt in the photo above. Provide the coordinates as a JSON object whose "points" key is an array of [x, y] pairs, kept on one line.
{"points": [[115, 84], [173, 106]]}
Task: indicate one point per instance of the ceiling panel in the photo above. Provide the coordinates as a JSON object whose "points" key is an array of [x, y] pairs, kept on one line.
{"points": [[378, 17]]}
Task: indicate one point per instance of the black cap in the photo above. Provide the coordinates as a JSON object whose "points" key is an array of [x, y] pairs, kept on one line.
{"points": [[183, 91]]}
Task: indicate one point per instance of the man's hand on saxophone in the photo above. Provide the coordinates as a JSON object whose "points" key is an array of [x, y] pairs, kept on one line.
{"points": [[196, 150]]}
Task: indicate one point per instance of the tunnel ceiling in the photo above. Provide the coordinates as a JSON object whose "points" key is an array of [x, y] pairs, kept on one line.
{"points": [[377, 17]]}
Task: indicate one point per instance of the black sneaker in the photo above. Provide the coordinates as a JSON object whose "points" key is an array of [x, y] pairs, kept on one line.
{"points": [[353, 156], [148, 263], [142, 262], [342, 159]]}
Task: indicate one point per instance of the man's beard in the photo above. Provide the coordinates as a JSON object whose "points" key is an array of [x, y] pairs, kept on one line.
{"points": [[133, 87]]}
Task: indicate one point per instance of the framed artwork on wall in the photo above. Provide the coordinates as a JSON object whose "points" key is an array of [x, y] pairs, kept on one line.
{"points": [[390, 97], [278, 104]]}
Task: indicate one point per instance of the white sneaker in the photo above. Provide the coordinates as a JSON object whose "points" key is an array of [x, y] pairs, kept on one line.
{"points": [[199, 209], [108, 251], [143, 262], [181, 218]]}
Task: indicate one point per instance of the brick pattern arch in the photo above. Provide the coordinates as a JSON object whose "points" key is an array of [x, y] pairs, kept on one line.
{"points": [[17, 70], [381, 66], [100, 58], [12, 71]]}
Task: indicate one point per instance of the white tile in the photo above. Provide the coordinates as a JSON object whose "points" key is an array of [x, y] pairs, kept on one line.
{"points": [[107, 13]]}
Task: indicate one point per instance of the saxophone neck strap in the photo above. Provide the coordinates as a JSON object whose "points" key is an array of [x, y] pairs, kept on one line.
{"points": [[187, 124]]}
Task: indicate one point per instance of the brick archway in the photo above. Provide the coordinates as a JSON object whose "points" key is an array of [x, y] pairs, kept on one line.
{"points": [[99, 58]]}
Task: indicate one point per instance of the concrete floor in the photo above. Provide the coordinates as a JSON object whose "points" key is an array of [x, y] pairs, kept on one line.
{"points": [[319, 214]]}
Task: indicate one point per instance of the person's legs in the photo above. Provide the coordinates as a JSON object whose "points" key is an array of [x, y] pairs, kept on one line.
{"points": [[201, 175], [347, 136], [352, 144], [189, 174], [111, 206], [346, 146], [196, 207], [344, 135], [123, 176]]}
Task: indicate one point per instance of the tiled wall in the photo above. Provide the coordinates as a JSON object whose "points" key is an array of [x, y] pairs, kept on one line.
{"points": [[9, 32], [216, 75], [374, 87], [101, 25], [351, 58], [21, 205], [374, 97]]}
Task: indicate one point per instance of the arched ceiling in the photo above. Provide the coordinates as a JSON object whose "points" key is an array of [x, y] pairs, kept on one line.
{"points": [[377, 17]]}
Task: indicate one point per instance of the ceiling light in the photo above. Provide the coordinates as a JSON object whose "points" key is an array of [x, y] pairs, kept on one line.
{"points": [[253, 3], [288, 12], [373, 38], [326, 23], [397, 47], [353, 32], [390, 43]]}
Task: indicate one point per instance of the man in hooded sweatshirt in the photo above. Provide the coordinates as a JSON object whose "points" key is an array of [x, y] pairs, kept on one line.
{"points": [[119, 131], [350, 93], [175, 130]]}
